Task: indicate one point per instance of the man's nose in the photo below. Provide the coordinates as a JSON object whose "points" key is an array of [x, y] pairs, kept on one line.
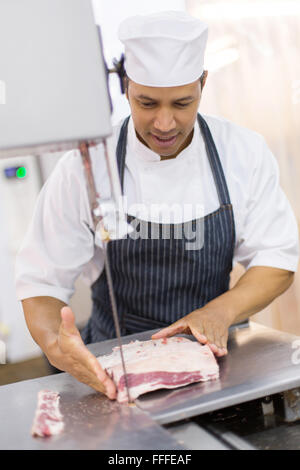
{"points": [[164, 121]]}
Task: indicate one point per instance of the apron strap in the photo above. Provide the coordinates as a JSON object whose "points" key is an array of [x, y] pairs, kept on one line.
{"points": [[121, 151], [213, 157], [215, 163]]}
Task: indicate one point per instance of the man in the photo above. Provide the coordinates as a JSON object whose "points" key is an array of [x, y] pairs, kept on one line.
{"points": [[167, 155]]}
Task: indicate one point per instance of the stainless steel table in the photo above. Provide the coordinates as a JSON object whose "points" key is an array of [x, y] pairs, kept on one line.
{"points": [[92, 421], [259, 363]]}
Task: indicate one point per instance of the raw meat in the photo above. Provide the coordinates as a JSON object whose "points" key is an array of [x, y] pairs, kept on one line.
{"points": [[48, 419], [161, 363]]}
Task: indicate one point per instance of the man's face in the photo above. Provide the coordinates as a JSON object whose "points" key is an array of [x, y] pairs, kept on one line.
{"points": [[164, 118]]}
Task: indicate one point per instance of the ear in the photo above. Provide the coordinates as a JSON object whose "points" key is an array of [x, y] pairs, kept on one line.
{"points": [[205, 73], [125, 82]]}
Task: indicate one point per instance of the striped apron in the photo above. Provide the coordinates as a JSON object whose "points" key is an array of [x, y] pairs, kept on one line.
{"points": [[156, 279]]}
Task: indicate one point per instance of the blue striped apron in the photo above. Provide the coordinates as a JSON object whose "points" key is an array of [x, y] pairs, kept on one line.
{"points": [[156, 279]]}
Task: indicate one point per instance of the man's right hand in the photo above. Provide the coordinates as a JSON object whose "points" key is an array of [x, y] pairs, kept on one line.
{"points": [[69, 353]]}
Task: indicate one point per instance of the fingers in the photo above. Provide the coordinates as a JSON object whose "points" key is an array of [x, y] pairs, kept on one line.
{"points": [[68, 321], [199, 335], [217, 344], [81, 363], [207, 333], [212, 340], [215, 347], [220, 342], [83, 375], [95, 368], [85, 368], [224, 339], [92, 368], [174, 329]]}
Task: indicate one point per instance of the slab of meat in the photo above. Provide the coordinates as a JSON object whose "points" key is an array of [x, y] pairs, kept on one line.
{"points": [[48, 419], [161, 363]]}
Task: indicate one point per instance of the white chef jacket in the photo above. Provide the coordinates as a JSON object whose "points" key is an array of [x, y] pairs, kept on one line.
{"points": [[59, 245]]}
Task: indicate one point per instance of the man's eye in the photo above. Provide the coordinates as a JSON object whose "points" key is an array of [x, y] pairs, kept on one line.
{"points": [[182, 105], [147, 105]]}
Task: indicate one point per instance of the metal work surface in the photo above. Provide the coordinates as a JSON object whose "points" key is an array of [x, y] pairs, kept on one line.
{"points": [[259, 363], [196, 437], [92, 421]]}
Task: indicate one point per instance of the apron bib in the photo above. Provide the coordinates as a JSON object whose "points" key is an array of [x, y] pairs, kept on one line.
{"points": [[157, 280]]}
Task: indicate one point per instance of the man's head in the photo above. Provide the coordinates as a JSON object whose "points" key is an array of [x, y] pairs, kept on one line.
{"points": [[164, 54], [164, 117]]}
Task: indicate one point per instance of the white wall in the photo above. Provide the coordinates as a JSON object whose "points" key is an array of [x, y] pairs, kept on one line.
{"points": [[19, 344]]}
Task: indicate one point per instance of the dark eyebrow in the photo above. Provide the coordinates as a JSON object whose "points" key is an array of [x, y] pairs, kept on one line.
{"points": [[185, 98], [144, 97]]}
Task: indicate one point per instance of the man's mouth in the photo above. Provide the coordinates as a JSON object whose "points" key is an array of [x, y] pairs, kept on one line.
{"points": [[164, 141]]}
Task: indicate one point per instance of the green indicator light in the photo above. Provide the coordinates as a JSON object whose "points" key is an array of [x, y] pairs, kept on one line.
{"points": [[21, 172]]}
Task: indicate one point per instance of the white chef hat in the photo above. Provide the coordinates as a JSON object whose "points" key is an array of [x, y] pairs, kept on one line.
{"points": [[163, 49]]}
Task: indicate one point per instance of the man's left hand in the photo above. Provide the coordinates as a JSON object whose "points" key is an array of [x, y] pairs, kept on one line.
{"points": [[208, 325]]}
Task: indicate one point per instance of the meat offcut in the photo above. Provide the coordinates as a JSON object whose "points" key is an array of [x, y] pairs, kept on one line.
{"points": [[161, 363], [48, 419]]}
